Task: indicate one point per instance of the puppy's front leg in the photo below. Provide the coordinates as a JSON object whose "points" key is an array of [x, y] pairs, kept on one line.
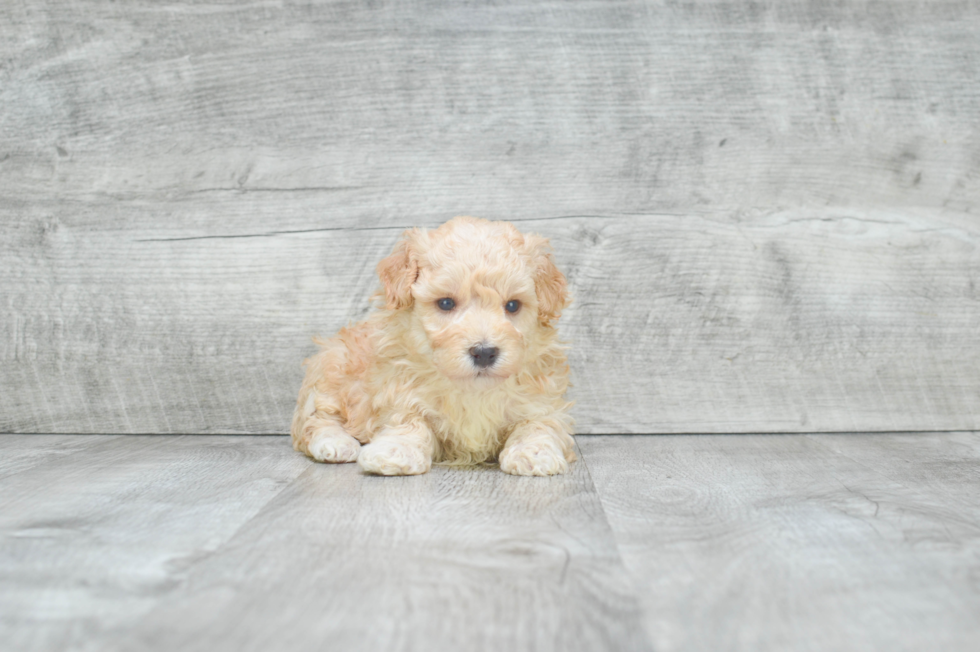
{"points": [[317, 431], [537, 448], [405, 449], [327, 441]]}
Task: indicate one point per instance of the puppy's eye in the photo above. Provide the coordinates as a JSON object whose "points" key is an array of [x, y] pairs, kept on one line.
{"points": [[446, 304], [512, 306]]}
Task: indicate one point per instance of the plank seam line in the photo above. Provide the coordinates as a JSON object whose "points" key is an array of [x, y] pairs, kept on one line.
{"points": [[584, 434], [776, 433], [266, 234], [269, 234], [619, 553]]}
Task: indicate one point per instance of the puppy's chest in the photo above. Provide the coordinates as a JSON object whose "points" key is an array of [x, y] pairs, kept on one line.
{"points": [[470, 421]]}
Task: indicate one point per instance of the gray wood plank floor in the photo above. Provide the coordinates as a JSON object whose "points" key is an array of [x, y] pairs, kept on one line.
{"points": [[804, 542], [225, 543], [687, 542]]}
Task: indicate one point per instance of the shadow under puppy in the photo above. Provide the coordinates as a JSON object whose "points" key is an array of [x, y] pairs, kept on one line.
{"points": [[461, 365]]}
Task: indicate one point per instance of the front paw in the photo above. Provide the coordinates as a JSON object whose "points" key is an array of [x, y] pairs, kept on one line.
{"points": [[333, 445], [394, 457], [536, 456]]}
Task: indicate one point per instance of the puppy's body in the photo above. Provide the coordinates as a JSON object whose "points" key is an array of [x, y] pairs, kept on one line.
{"points": [[418, 382]]}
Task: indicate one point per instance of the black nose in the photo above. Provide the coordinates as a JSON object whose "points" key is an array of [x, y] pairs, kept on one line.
{"points": [[484, 356]]}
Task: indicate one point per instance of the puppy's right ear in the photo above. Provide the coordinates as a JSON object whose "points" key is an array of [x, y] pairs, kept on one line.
{"points": [[400, 270]]}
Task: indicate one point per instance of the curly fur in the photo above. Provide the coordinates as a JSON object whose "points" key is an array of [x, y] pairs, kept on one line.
{"points": [[403, 383]]}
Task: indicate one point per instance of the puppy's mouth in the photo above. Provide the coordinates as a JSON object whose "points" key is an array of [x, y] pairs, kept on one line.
{"points": [[484, 379], [469, 373]]}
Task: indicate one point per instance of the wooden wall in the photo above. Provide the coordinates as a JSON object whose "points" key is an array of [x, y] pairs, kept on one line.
{"points": [[767, 210]]}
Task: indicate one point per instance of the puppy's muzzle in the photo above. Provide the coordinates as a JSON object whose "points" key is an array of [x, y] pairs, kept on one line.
{"points": [[484, 356]]}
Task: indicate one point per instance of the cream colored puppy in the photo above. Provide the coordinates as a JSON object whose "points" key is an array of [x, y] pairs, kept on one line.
{"points": [[461, 364]]}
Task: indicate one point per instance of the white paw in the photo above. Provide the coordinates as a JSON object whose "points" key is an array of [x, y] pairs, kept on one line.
{"points": [[394, 457], [539, 456], [333, 445]]}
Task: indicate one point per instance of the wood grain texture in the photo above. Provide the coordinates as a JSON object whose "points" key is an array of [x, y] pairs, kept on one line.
{"points": [[223, 543], [798, 542], [431, 107], [708, 324], [18, 455], [767, 211], [100, 528]]}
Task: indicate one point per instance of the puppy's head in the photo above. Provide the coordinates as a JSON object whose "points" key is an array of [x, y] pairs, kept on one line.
{"points": [[480, 294]]}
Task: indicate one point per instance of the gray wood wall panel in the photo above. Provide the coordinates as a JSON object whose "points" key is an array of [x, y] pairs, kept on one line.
{"points": [[766, 210]]}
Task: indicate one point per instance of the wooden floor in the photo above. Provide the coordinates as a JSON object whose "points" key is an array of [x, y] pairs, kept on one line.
{"points": [[769, 542]]}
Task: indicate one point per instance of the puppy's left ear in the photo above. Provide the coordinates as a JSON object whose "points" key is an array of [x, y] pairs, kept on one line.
{"points": [[549, 283], [400, 270]]}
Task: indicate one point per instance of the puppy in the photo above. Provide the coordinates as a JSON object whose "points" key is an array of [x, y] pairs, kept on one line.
{"points": [[460, 364]]}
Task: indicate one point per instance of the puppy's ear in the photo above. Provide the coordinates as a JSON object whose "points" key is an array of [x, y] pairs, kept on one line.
{"points": [[400, 270], [549, 283]]}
